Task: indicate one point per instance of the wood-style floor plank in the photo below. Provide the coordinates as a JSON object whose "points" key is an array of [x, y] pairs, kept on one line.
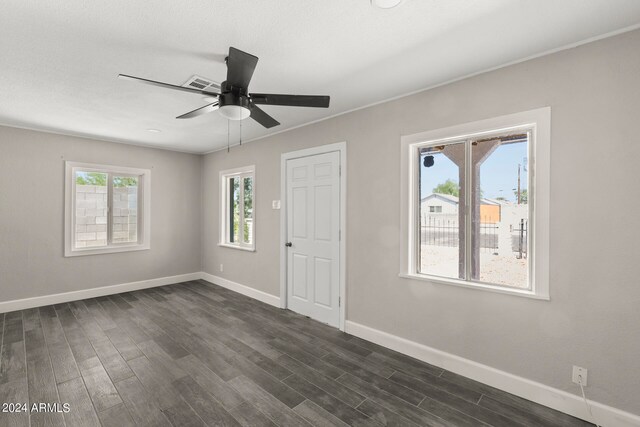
{"points": [[208, 380], [248, 416], [204, 404], [12, 355], [15, 392], [116, 416], [82, 412], [40, 377], [62, 360], [101, 390], [195, 354], [325, 400], [266, 403], [142, 406], [317, 416]]}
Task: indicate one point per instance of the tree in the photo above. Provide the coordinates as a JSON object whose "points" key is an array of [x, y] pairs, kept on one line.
{"points": [[248, 207], [524, 196], [448, 187], [91, 178], [100, 179]]}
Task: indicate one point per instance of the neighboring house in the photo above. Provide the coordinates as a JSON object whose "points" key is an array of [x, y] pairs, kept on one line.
{"points": [[445, 206]]}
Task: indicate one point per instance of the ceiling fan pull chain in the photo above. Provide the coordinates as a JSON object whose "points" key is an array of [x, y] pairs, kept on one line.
{"points": [[241, 132], [228, 136]]}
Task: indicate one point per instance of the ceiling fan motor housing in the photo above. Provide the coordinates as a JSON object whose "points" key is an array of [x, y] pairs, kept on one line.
{"points": [[234, 102], [233, 96]]}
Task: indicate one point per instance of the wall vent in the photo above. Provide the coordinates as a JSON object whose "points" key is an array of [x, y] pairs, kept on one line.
{"points": [[202, 83]]}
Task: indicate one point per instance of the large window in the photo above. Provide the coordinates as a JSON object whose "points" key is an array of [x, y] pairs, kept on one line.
{"points": [[475, 196], [237, 189], [107, 209]]}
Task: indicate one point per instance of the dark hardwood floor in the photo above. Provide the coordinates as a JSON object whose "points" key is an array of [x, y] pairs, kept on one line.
{"points": [[195, 354]]}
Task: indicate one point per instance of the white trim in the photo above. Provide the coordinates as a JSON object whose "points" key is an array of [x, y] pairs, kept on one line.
{"points": [[539, 122], [321, 149], [560, 400], [25, 303], [473, 285], [241, 248], [241, 172], [144, 210], [242, 289]]}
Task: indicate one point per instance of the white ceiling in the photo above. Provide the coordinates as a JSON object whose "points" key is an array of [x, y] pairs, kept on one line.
{"points": [[59, 59]]}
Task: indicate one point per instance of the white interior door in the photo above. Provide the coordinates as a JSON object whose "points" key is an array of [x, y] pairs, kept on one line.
{"points": [[313, 236]]}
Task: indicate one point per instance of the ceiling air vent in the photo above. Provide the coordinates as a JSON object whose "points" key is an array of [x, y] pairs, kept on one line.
{"points": [[202, 83]]}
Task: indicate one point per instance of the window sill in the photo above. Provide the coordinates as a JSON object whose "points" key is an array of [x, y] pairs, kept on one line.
{"points": [[477, 286], [109, 250], [241, 248]]}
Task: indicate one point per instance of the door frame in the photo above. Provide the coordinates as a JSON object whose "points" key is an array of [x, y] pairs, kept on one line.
{"points": [[340, 147]]}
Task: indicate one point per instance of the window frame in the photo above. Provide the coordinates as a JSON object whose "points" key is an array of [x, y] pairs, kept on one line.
{"points": [[537, 122], [143, 214], [225, 175]]}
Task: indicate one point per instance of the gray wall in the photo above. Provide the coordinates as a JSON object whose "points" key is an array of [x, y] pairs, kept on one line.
{"points": [[593, 318], [32, 215]]}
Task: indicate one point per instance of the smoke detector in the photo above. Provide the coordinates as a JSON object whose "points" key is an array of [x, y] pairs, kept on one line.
{"points": [[385, 4]]}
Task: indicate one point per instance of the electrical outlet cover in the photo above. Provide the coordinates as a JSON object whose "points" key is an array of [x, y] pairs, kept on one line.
{"points": [[577, 372]]}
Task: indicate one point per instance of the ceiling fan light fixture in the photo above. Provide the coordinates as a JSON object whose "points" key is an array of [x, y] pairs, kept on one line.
{"points": [[234, 112], [385, 4]]}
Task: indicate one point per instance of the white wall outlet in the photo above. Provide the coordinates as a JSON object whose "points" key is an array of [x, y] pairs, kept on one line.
{"points": [[275, 204], [579, 375], [221, 267]]}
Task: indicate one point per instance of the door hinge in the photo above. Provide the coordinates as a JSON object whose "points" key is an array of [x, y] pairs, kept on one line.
{"points": [[340, 170], [339, 235], [339, 302]]}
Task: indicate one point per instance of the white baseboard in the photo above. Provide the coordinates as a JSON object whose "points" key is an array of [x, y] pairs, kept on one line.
{"points": [[22, 304], [242, 289], [548, 396]]}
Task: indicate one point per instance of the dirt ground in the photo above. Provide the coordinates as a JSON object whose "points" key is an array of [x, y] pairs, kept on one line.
{"points": [[500, 270]]}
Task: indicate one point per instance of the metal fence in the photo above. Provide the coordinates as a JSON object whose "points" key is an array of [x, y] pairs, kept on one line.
{"points": [[444, 232]]}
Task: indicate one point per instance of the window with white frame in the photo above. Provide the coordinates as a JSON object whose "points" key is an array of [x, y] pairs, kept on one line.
{"points": [[107, 209], [237, 216], [493, 176]]}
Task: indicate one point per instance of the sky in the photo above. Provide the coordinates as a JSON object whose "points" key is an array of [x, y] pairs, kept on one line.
{"points": [[498, 173]]}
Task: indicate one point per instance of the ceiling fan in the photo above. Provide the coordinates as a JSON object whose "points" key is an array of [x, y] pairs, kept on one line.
{"points": [[234, 100]]}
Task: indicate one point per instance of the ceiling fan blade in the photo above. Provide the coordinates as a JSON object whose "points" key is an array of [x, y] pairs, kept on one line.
{"points": [[200, 111], [165, 85], [240, 67], [263, 118], [291, 100]]}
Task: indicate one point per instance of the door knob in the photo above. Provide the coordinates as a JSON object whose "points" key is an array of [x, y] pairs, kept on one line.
{"points": [[288, 244]]}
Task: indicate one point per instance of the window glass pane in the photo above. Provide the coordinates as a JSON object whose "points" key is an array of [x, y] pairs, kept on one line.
{"points": [[500, 214], [442, 210], [125, 209], [91, 209], [248, 210], [234, 209]]}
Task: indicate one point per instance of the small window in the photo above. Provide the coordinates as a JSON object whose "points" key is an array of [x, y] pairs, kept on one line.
{"points": [[107, 209], [468, 204], [237, 189]]}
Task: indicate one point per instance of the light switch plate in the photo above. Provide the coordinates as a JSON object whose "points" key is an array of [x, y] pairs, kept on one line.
{"points": [[275, 204]]}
